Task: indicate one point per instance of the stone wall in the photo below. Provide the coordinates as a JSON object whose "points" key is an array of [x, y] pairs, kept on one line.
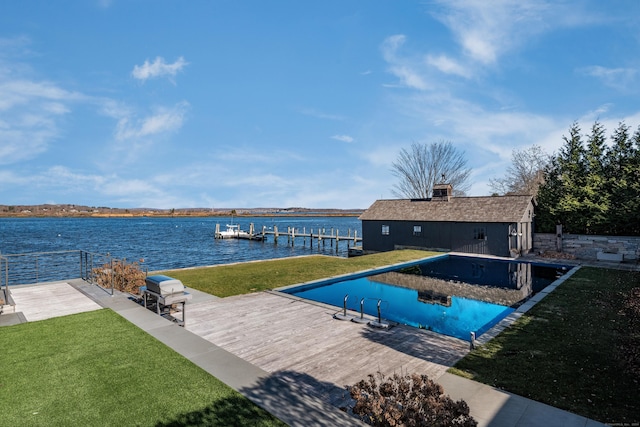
{"points": [[586, 247]]}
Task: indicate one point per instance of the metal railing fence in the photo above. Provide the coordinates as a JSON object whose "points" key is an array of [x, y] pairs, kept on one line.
{"points": [[39, 267]]}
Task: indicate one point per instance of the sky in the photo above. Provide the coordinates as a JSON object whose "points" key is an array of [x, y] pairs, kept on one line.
{"points": [[245, 104]]}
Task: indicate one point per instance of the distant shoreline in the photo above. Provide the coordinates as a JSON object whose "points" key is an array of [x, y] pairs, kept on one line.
{"points": [[174, 215]]}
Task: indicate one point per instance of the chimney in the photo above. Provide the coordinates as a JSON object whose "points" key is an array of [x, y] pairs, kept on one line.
{"points": [[442, 192]]}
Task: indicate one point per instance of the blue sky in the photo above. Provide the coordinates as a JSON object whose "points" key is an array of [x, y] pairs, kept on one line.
{"points": [[174, 104]]}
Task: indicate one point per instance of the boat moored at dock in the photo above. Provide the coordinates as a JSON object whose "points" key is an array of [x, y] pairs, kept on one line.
{"points": [[233, 231]]}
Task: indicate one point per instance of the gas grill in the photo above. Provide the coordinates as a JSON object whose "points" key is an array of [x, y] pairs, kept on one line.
{"points": [[166, 295]]}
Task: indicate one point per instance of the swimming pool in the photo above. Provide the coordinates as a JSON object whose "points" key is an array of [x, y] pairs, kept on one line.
{"points": [[452, 295]]}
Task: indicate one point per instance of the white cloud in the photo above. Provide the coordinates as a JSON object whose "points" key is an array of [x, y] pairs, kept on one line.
{"points": [[20, 92], [486, 30], [63, 177], [448, 65], [130, 188], [404, 68], [30, 116], [114, 109], [62, 180], [164, 120], [344, 138], [382, 155], [448, 109], [621, 79], [158, 68]]}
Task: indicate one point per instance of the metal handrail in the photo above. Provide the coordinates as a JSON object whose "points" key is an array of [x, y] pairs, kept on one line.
{"points": [[6, 270], [36, 267], [5, 292]]}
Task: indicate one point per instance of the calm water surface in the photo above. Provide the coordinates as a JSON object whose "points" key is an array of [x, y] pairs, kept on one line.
{"points": [[166, 243], [460, 314]]}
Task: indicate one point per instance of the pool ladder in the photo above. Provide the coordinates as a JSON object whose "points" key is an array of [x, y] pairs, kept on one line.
{"points": [[375, 323]]}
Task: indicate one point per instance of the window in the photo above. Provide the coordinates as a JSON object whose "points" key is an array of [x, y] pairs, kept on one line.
{"points": [[385, 230], [417, 230], [480, 233]]}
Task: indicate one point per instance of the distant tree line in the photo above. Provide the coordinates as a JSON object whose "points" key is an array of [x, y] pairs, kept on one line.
{"points": [[591, 187]]}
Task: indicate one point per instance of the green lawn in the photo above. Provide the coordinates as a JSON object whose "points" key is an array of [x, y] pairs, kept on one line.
{"points": [[227, 280], [566, 351], [97, 369]]}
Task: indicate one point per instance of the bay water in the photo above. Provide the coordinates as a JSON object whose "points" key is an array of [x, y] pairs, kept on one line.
{"points": [[171, 242]]}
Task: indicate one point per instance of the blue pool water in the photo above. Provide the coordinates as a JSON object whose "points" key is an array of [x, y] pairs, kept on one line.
{"points": [[452, 314]]}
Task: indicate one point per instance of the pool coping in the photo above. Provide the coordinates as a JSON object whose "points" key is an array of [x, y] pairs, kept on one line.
{"points": [[359, 274], [487, 336]]}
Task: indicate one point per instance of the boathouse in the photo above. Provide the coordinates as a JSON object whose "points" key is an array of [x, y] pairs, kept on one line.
{"points": [[495, 225]]}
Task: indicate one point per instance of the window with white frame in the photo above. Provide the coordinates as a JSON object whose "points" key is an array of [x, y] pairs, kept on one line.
{"points": [[385, 230], [417, 230]]}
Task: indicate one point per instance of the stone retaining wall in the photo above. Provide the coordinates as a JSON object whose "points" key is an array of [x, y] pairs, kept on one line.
{"points": [[587, 247]]}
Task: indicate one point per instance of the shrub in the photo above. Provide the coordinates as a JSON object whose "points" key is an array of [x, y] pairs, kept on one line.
{"points": [[126, 277], [412, 400]]}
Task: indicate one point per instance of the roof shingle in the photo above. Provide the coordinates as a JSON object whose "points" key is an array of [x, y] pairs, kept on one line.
{"points": [[458, 209]]}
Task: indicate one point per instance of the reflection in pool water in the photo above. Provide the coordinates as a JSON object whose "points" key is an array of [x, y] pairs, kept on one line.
{"points": [[452, 295]]}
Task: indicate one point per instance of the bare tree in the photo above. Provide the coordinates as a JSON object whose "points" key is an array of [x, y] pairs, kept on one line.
{"points": [[422, 166], [525, 174]]}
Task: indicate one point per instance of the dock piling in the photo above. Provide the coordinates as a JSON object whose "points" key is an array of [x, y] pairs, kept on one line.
{"points": [[320, 235]]}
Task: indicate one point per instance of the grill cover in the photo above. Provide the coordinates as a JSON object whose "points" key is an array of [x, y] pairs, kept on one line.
{"points": [[164, 285]]}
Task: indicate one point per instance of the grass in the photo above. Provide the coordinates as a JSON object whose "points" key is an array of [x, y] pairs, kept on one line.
{"points": [[565, 351], [97, 369], [236, 279]]}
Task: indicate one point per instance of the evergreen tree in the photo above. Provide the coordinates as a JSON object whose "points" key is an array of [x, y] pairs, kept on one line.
{"points": [[593, 190], [549, 194], [634, 201], [596, 202], [619, 172], [571, 161]]}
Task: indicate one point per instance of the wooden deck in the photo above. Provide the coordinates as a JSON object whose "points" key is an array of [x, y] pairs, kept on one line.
{"points": [[297, 339]]}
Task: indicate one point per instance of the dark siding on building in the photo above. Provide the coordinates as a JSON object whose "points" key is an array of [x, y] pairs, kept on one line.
{"points": [[495, 241], [485, 225], [452, 236]]}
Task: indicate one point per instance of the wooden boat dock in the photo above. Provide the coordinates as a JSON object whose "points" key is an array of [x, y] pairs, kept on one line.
{"points": [[319, 238]]}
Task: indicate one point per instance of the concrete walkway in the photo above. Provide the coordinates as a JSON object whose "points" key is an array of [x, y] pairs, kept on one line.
{"points": [[293, 396]]}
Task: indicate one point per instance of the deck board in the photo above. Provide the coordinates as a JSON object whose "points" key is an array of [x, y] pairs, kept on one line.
{"points": [[292, 338], [280, 334]]}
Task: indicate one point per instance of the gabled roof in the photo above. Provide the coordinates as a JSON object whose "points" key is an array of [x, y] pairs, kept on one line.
{"points": [[458, 209]]}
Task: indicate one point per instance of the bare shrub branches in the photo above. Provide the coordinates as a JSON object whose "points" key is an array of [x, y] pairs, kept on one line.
{"points": [[412, 400], [125, 277]]}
